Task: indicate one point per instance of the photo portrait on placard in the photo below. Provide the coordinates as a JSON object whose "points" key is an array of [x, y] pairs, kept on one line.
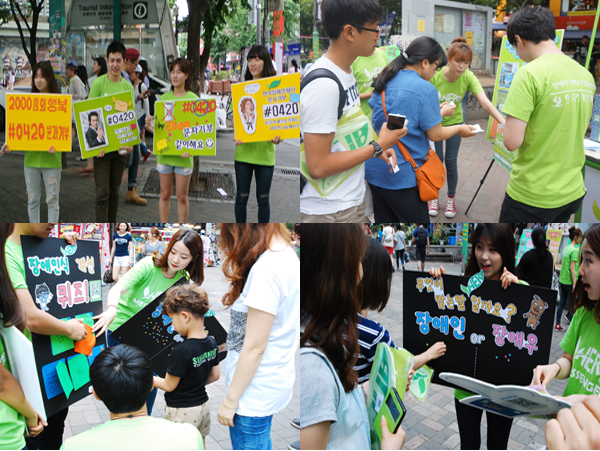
{"points": [[94, 129]]}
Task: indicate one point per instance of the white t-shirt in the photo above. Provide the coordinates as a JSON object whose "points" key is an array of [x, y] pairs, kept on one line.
{"points": [[318, 114], [388, 236], [273, 286]]}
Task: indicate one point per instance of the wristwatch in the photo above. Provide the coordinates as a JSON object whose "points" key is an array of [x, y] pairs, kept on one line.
{"points": [[378, 149]]}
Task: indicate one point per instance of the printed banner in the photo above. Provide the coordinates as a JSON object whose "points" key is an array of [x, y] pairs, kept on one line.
{"points": [[266, 108], [64, 281], [38, 122], [508, 64], [153, 332], [106, 123], [492, 334], [554, 237], [185, 126], [525, 244]]}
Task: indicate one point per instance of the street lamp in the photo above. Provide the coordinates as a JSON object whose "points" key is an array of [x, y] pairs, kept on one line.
{"points": [[176, 12]]}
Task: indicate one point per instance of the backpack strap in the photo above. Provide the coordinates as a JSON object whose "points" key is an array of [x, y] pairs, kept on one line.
{"points": [[326, 73]]}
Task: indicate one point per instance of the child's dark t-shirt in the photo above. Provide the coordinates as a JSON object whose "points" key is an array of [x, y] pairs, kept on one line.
{"points": [[192, 361]]}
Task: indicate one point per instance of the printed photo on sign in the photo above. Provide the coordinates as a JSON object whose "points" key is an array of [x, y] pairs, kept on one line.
{"points": [[507, 74], [247, 112], [94, 129]]}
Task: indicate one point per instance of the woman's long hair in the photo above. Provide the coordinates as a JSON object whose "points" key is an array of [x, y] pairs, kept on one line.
{"points": [[243, 244], [329, 274], [376, 282], [47, 73], [193, 242], [580, 296], [103, 67], [502, 237], [538, 238], [260, 51], [11, 313], [421, 49]]}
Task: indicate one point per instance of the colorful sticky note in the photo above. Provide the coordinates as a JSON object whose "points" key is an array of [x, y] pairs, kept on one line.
{"points": [[79, 368], [60, 343], [64, 378], [294, 97], [97, 350], [51, 381], [95, 290], [85, 346], [87, 318]]}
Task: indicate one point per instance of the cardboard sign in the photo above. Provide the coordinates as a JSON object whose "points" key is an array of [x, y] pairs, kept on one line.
{"points": [[38, 122], [508, 64], [64, 281], [185, 126], [153, 332], [106, 123], [491, 334], [554, 238], [266, 108]]}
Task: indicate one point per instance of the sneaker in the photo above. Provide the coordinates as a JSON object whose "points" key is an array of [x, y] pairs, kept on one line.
{"points": [[434, 207], [295, 445], [558, 327], [567, 319], [296, 423], [450, 210], [147, 155]]}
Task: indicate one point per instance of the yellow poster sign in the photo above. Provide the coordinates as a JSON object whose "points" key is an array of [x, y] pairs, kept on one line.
{"points": [[38, 122], [266, 108], [469, 37]]}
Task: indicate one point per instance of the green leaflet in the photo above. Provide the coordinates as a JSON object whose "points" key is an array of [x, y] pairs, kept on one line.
{"points": [[474, 283], [274, 84]]}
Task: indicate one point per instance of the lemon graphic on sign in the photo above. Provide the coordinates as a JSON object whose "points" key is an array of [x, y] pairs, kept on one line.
{"points": [[596, 210]]}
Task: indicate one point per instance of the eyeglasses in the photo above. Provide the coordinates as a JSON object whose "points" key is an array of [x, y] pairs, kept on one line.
{"points": [[376, 30]]}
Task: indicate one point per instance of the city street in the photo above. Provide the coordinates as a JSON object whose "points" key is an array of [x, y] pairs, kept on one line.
{"points": [[88, 413]]}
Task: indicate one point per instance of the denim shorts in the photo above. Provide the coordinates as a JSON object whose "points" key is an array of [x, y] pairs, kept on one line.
{"points": [[167, 169], [251, 432]]}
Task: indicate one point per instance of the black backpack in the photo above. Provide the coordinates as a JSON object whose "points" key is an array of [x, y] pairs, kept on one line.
{"points": [[323, 73], [421, 237]]}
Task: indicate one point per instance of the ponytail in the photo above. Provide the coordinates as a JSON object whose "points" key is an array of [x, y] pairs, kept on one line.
{"points": [[421, 49], [538, 238]]}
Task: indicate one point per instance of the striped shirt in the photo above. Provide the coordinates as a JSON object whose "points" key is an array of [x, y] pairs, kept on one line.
{"points": [[370, 334]]}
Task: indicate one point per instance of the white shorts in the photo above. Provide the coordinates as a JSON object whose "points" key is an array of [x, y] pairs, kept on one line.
{"points": [[121, 261]]}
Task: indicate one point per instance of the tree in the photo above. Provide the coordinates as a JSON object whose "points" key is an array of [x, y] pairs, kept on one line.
{"points": [[31, 9]]}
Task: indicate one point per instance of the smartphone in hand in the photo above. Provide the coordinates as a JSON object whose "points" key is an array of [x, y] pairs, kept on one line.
{"points": [[396, 121]]}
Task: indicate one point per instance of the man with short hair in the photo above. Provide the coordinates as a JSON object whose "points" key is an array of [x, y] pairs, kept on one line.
{"points": [[549, 107], [421, 236], [121, 377], [95, 133]]}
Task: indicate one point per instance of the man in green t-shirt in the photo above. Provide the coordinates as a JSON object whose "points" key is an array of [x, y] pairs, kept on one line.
{"points": [[548, 109], [365, 69], [108, 168]]}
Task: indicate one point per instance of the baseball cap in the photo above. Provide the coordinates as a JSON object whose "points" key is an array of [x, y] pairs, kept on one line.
{"points": [[72, 64], [138, 69], [132, 54]]}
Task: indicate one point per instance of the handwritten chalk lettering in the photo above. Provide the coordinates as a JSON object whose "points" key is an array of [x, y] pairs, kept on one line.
{"points": [[501, 333], [491, 308], [120, 118], [49, 265], [73, 293], [198, 129], [449, 301], [86, 264], [441, 323]]}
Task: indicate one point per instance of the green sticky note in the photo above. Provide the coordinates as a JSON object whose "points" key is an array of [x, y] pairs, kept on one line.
{"points": [[64, 378], [61, 343], [79, 368], [87, 319]]}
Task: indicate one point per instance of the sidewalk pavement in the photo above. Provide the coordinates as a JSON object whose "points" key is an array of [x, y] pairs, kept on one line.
{"points": [[89, 412], [432, 424]]}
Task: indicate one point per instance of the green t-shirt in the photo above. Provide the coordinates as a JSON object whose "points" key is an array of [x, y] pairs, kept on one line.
{"points": [[138, 433], [365, 69], [174, 160], [144, 283], [261, 153], [454, 92], [12, 423], [582, 341], [555, 96], [102, 86], [42, 160], [570, 254], [15, 264]]}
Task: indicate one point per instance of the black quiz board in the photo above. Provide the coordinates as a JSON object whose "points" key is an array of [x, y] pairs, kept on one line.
{"points": [[64, 281], [491, 334], [152, 332]]}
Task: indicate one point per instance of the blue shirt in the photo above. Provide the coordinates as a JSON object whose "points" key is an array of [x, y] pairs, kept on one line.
{"points": [[122, 244], [407, 94]]}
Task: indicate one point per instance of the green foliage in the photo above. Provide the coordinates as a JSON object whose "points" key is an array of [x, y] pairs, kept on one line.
{"points": [[233, 35], [222, 75]]}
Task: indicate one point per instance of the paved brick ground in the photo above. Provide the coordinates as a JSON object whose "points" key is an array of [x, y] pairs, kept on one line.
{"points": [[89, 413], [432, 424]]}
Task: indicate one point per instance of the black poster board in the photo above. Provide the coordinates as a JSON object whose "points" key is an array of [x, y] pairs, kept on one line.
{"points": [[64, 281], [491, 334], [152, 332]]}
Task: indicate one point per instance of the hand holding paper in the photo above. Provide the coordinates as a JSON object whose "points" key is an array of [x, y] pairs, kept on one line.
{"points": [[476, 128], [396, 169]]}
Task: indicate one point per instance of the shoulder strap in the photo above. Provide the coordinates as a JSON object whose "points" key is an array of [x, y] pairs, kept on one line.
{"points": [[405, 153], [326, 73]]}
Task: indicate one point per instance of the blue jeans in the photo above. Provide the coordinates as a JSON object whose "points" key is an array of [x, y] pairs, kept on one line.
{"points": [[566, 292], [399, 256], [243, 179], [152, 395], [452, 146], [251, 432]]}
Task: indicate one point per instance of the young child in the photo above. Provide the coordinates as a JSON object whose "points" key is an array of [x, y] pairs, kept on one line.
{"points": [[194, 363]]}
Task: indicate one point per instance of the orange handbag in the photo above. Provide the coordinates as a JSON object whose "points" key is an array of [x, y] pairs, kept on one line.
{"points": [[431, 175]]}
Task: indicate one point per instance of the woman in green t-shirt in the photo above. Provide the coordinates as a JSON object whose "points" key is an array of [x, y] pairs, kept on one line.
{"points": [[47, 166], [15, 410], [452, 83], [581, 343], [257, 157], [568, 275], [182, 166]]}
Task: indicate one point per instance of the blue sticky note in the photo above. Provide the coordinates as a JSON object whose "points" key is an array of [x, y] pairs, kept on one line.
{"points": [[294, 97], [95, 351], [51, 381]]}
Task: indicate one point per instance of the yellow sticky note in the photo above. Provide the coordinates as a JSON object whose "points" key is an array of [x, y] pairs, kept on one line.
{"points": [[162, 144], [421, 25], [121, 106], [469, 37]]}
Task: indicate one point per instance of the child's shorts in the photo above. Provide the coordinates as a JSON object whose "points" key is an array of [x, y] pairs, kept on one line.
{"points": [[167, 169], [198, 416]]}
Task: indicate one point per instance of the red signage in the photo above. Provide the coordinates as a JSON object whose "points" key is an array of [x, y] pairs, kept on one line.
{"points": [[575, 23]]}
